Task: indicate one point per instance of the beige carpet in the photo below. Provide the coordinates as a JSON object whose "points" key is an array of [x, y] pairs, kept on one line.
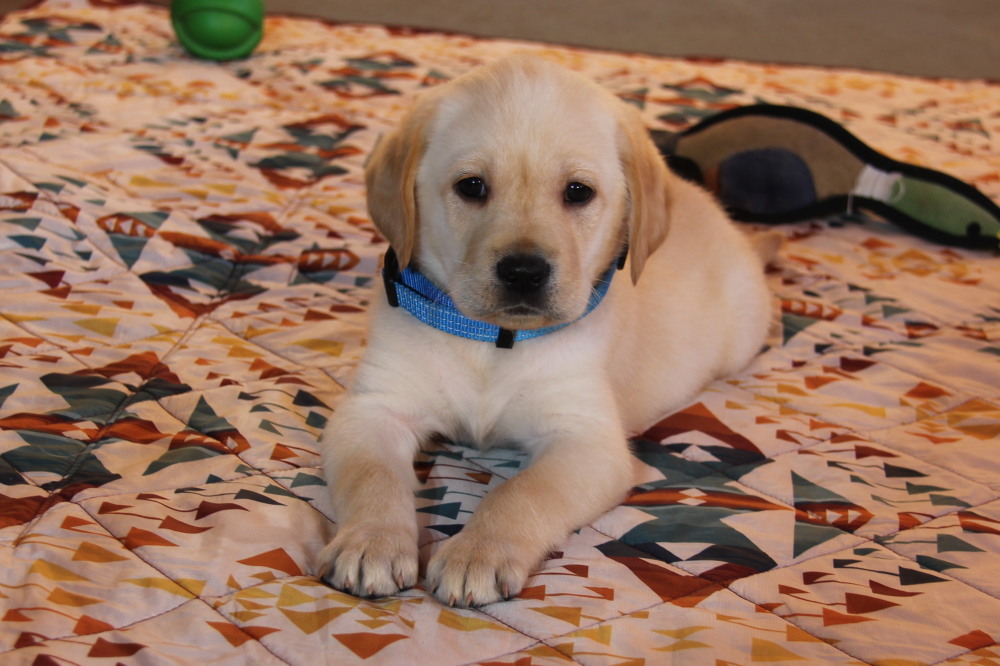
{"points": [[937, 38]]}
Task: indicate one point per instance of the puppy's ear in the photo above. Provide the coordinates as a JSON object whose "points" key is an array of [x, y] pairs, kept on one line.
{"points": [[391, 181], [648, 183]]}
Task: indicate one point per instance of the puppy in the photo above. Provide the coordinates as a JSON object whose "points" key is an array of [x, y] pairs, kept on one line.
{"points": [[514, 190]]}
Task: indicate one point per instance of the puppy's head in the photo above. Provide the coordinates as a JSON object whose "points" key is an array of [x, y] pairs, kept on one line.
{"points": [[515, 187]]}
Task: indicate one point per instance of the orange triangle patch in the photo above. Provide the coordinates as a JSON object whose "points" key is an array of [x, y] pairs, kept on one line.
{"points": [[106, 649], [231, 633], [90, 625], [259, 632], [769, 651], [974, 640], [138, 537], [311, 621], [453, 620], [61, 597], [570, 615], [174, 525], [832, 618], [54, 571], [105, 327], [276, 559], [365, 644]]}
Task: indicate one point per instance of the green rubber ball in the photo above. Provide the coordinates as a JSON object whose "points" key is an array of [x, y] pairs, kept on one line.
{"points": [[218, 29]]}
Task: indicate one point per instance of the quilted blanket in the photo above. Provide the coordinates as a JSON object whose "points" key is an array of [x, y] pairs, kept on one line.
{"points": [[185, 265]]}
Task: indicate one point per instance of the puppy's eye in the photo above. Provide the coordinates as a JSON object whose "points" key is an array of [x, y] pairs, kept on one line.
{"points": [[472, 187], [578, 193]]}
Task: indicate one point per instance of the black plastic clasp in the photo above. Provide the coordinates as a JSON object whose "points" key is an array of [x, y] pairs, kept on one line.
{"points": [[390, 276], [505, 338], [620, 264]]}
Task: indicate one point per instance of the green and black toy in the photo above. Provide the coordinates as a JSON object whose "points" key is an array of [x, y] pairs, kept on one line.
{"points": [[777, 164]]}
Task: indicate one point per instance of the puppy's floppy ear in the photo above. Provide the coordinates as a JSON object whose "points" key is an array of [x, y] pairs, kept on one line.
{"points": [[391, 181], [648, 183]]}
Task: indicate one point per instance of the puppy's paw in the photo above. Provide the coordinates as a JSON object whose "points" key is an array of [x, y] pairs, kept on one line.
{"points": [[370, 560], [472, 571]]}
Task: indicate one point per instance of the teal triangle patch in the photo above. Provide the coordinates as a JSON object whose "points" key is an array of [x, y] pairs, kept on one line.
{"points": [[254, 496], [432, 493], [917, 489], [932, 563], [6, 392], [872, 298], [153, 218], [204, 419], [808, 536], [306, 399], [269, 427], [275, 489], [938, 499], [241, 137], [793, 324], [316, 420], [303, 479], [29, 223], [180, 455], [808, 492], [890, 310], [449, 510], [129, 248], [917, 577], [74, 181], [895, 472], [948, 543], [7, 109], [29, 242]]}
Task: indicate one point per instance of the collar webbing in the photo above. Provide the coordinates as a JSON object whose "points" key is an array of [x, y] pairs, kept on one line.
{"points": [[411, 290]]}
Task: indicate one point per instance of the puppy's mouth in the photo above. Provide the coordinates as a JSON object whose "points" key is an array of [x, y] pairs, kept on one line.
{"points": [[522, 311], [522, 316]]}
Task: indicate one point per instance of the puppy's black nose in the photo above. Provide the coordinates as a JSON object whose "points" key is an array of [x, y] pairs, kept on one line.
{"points": [[523, 273]]}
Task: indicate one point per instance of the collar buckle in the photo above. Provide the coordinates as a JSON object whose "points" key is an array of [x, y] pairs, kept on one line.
{"points": [[391, 276], [505, 338]]}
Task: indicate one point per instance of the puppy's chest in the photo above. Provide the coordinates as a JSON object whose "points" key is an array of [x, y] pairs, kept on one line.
{"points": [[484, 405]]}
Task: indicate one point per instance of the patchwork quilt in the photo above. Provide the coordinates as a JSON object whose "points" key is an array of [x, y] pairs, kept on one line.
{"points": [[185, 266]]}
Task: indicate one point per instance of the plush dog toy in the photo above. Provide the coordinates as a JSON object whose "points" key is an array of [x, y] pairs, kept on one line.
{"points": [[785, 164]]}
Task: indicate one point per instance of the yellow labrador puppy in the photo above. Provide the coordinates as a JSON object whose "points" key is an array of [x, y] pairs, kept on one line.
{"points": [[509, 195]]}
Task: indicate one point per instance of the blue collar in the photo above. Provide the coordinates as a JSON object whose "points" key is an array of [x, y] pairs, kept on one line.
{"points": [[425, 301]]}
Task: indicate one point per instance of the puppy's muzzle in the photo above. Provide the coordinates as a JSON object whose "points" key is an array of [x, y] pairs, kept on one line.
{"points": [[524, 277]]}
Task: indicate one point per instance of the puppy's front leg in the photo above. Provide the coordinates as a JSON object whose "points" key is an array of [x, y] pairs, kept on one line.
{"points": [[368, 460], [574, 480]]}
